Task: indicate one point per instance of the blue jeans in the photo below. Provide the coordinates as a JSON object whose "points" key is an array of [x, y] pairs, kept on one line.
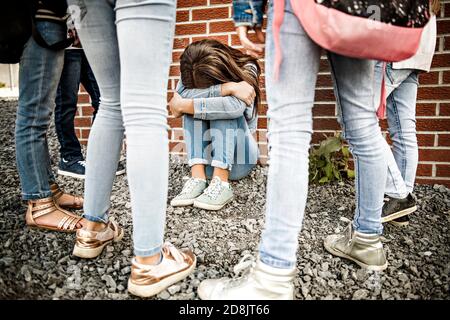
{"points": [[39, 74], [401, 91], [290, 101], [76, 70], [129, 46], [221, 143]]}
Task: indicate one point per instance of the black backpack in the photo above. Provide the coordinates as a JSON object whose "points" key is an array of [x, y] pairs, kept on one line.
{"points": [[17, 25]]}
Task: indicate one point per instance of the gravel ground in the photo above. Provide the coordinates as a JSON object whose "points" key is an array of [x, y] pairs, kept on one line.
{"points": [[39, 265]]}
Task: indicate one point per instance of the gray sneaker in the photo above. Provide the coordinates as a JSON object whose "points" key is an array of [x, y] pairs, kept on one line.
{"points": [[215, 197], [364, 249], [191, 190]]}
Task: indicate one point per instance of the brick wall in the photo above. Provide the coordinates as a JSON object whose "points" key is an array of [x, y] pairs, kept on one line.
{"points": [[197, 19]]}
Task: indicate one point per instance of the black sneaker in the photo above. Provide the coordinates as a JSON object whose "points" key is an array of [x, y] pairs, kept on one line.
{"points": [[400, 222], [397, 208], [72, 168]]}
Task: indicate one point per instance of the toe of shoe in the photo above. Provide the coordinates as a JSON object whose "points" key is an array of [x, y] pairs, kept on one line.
{"points": [[206, 289]]}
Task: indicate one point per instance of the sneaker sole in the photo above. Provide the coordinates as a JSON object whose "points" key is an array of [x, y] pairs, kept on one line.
{"points": [[153, 289], [211, 207], [120, 172], [361, 264], [70, 174], [94, 252], [399, 224], [398, 214], [182, 203]]}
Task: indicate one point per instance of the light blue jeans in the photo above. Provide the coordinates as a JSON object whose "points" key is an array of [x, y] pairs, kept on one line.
{"points": [[220, 143], [290, 101], [401, 91], [128, 44], [40, 70]]}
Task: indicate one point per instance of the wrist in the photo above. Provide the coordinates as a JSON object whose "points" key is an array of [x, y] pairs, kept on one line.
{"points": [[186, 106], [227, 89]]}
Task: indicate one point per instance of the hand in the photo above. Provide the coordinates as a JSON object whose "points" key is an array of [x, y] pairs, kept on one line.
{"points": [[176, 105], [241, 90], [251, 48]]}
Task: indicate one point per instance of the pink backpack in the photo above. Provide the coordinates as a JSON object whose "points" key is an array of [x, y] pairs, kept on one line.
{"points": [[380, 30]]}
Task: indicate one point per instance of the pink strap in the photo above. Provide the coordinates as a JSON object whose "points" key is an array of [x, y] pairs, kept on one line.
{"points": [[381, 112], [278, 8]]}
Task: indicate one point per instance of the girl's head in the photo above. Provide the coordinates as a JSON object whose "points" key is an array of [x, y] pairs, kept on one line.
{"points": [[209, 62]]}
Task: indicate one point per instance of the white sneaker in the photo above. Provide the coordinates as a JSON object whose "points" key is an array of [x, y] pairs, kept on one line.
{"points": [[258, 282]]}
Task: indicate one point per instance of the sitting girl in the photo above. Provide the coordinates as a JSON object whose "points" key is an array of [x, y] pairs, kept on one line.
{"points": [[218, 95]]}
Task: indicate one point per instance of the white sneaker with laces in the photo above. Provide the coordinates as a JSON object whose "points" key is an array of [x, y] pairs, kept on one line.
{"points": [[258, 282]]}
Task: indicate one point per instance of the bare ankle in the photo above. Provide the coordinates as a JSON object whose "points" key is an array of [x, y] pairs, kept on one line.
{"points": [[152, 260], [95, 226]]}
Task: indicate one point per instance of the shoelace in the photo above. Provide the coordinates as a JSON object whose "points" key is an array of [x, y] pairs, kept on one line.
{"points": [[82, 163], [189, 185], [174, 252], [242, 271], [348, 229], [213, 189]]}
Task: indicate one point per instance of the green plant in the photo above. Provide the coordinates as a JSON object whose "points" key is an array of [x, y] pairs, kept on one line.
{"points": [[2, 85], [329, 161]]}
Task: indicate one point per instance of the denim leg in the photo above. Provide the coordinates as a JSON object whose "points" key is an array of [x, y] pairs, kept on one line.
{"points": [[66, 106], [290, 101], [90, 84], [223, 141], [145, 32], [39, 74], [97, 32], [196, 136], [354, 91], [401, 114]]}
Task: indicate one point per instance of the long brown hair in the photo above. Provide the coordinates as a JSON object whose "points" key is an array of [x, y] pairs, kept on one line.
{"points": [[209, 62], [435, 6]]}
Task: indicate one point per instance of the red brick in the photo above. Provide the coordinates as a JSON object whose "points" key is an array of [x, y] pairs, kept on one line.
{"points": [[442, 170], [176, 56], [433, 124], [85, 133], [444, 140], [324, 110], [443, 26], [439, 155], [262, 123], [87, 111], [325, 124], [221, 26], [430, 93], [174, 71], [424, 170], [83, 98], [324, 95], [83, 122], [220, 1], [446, 43], [192, 28], [174, 122], [210, 13], [319, 136], [191, 3], [180, 43], [425, 140], [446, 74], [324, 80], [182, 16], [223, 39], [441, 60], [444, 109], [429, 78], [236, 42], [426, 109]]}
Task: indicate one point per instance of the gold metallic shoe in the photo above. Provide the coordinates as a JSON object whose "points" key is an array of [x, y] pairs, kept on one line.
{"points": [[148, 280], [40, 207], [65, 200], [89, 244]]}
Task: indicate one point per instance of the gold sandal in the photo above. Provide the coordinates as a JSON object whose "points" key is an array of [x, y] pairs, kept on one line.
{"points": [[40, 207], [65, 200]]}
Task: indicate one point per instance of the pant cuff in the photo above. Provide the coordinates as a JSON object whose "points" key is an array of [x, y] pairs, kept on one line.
{"points": [[360, 229], [221, 165], [103, 218], [397, 195], [275, 263], [147, 252], [195, 161], [35, 196]]}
